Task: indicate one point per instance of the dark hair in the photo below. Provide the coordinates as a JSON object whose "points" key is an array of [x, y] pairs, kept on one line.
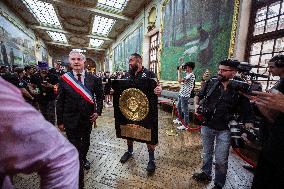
{"points": [[27, 68], [19, 70], [278, 60], [136, 55], [230, 62], [189, 64], [52, 71]]}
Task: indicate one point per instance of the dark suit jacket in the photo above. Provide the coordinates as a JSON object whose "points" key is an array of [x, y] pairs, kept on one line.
{"points": [[71, 108]]}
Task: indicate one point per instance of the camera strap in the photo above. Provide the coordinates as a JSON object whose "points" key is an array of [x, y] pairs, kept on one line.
{"points": [[212, 89], [204, 101]]}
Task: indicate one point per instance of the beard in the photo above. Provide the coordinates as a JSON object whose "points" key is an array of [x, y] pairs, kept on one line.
{"points": [[222, 78], [133, 69]]}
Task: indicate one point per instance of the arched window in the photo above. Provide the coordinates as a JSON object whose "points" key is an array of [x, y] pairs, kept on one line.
{"points": [[266, 37], [154, 45]]}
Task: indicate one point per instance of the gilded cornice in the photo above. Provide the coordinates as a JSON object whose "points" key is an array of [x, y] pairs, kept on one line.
{"points": [[234, 29]]}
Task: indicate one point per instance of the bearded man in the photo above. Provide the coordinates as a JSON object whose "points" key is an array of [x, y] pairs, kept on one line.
{"points": [[137, 71], [220, 103]]}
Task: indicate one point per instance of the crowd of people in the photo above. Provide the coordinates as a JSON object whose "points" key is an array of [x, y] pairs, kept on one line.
{"points": [[32, 94]]}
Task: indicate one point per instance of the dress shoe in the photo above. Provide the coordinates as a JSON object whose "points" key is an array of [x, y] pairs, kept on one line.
{"points": [[249, 168], [151, 166], [87, 165], [216, 186], [125, 157], [201, 177]]}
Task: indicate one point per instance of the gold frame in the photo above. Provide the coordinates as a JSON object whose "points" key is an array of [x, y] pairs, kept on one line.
{"points": [[164, 3], [234, 29]]}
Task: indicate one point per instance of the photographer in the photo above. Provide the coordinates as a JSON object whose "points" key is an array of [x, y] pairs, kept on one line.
{"points": [[220, 103], [270, 166], [185, 93]]}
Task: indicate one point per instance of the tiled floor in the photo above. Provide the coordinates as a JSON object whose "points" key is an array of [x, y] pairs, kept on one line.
{"points": [[177, 158]]}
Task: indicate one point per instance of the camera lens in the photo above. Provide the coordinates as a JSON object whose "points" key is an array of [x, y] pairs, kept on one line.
{"points": [[236, 139], [240, 86]]}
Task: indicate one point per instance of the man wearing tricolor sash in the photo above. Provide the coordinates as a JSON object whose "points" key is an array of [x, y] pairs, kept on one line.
{"points": [[79, 103]]}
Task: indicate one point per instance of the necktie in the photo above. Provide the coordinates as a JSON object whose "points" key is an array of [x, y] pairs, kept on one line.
{"points": [[79, 77]]}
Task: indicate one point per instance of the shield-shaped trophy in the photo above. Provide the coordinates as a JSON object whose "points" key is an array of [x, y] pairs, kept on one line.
{"points": [[135, 110]]}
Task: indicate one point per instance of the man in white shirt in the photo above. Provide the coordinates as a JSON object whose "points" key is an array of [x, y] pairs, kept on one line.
{"points": [[187, 86]]}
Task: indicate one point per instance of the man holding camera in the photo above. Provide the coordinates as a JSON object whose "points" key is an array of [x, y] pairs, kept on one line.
{"points": [[270, 166], [187, 86], [220, 103]]}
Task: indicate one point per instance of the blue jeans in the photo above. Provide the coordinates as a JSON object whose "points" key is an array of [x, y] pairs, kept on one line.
{"points": [[182, 108], [222, 147]]}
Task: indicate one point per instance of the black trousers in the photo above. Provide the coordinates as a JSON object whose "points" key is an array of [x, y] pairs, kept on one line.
{"points": [[80, 138], [48, 110], [267, 175]]}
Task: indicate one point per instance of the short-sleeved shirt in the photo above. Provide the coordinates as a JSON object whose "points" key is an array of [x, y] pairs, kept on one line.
{"points": [[187, 86]]}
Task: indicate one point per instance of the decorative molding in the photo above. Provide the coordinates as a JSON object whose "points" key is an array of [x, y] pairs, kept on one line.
{"points": [[82, 3], [90, 9], [74, 46], [234, 29], [152, 21], [73, 21], [75, 32], [78, 40]]}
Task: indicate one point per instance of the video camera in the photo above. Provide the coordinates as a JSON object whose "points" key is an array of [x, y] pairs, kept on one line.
{"points": [[254, 135], [240, 86], [245, 69]]}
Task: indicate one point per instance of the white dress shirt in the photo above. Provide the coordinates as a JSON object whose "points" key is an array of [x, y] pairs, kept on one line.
{"points": [[82, 76]]}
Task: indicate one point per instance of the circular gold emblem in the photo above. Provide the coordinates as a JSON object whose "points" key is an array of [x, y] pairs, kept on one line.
{"points": [[134, 104]]}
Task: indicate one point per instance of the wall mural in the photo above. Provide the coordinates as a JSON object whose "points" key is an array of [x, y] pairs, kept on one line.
{"points": [[131, 44], [195, 30], [17, 48]]}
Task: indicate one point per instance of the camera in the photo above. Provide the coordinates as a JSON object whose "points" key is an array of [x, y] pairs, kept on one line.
{"points": [[240, 86], [245, 69], [244, 86], [236, 139], [183, 67]]}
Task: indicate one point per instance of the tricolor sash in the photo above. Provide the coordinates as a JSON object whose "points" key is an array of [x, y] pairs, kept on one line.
{"points": [[78, 87]]}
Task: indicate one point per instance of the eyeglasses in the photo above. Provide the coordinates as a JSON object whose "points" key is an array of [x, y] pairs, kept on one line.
{"points": [[78, 59], [224, 70]]}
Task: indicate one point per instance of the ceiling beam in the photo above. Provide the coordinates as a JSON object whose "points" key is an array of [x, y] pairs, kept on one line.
{"points": [[45, 28], [73, 46], [94, 10]]}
